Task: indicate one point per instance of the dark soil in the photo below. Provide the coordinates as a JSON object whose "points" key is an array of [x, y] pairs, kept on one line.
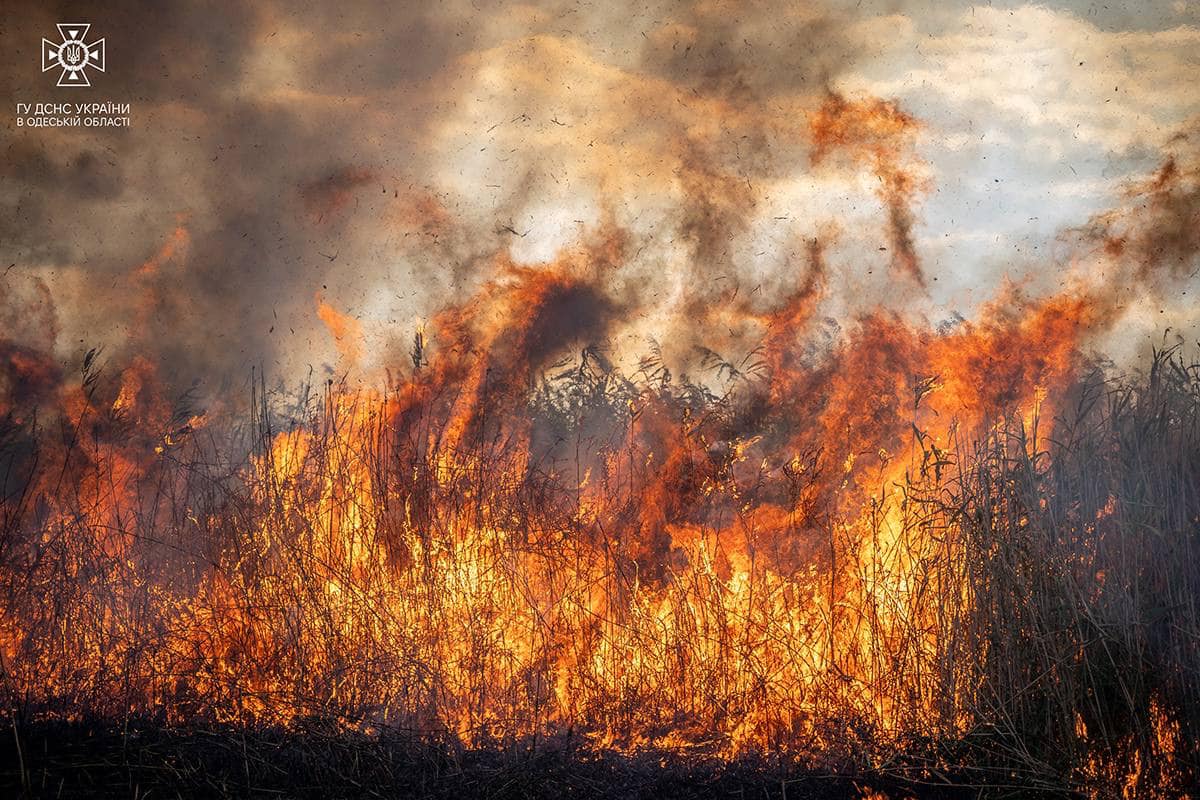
{"points": [[75, 760]]}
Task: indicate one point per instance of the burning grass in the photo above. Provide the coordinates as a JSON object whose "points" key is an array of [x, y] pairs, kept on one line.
{"points": [[940, 557], [954, 556]]}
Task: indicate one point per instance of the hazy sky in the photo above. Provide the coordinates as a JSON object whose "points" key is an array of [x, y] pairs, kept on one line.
{"points": [[380, 156]]}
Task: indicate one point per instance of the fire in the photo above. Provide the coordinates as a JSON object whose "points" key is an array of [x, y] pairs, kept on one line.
{"points": [[802, 552], [346, 331], [880, 135], [416, 557]]}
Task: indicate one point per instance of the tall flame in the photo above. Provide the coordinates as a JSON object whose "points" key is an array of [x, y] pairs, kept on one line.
{"points": [[803, 551]]}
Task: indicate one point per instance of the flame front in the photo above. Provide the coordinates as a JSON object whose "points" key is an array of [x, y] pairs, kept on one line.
{"points": [[492, 550]]}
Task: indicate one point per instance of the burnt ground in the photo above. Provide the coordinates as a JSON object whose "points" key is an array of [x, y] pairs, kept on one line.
{"points": [[145, 761]]}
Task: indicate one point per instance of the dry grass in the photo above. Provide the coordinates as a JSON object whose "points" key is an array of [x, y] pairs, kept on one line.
{"points": [[1022, 612]]}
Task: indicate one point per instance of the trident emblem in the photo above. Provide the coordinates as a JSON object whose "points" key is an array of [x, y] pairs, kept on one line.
{"points": [[73, 55]]}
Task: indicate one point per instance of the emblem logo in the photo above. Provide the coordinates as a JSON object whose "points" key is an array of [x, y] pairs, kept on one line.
{"points": [[73, 55]]}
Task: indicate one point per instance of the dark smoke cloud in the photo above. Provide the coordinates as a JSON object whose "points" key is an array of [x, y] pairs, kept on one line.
{"points": [[386, 158], [292, 145], [1155, 235], [260, 182]]}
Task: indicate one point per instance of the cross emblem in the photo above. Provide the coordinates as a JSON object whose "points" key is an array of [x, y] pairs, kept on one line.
{"points": [[72, 54]]}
